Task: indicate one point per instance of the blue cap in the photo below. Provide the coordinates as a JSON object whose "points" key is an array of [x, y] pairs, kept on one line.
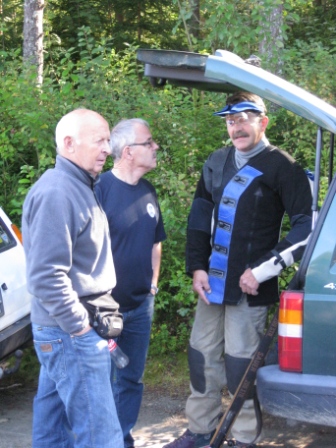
{"points": [[231, 109]]}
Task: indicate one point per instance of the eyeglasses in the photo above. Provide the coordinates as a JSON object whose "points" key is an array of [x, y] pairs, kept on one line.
{"points": [[245, 117], [150, 142]]}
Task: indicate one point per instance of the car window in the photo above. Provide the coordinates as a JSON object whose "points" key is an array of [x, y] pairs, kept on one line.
{"points": [[333, 263], [6, 238]]}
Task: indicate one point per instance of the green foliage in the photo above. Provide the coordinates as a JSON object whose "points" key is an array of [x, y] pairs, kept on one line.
{"points": [[85, 68], [26, 140], [236, 25], [311, 65], [11, 22], [316, 22], [166, 340], [147, 23], [28, 370]]}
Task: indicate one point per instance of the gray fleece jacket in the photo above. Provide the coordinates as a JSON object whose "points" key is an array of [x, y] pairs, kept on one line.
{"points": [[67, 245]]}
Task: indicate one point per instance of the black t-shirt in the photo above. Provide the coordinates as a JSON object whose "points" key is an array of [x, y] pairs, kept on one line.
{"points": [[136, 224]]}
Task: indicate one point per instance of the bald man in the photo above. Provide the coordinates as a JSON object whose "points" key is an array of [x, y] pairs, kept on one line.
{"points": [[68, 251]]}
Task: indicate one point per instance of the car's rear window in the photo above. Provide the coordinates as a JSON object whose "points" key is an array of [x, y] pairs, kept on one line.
{"points": [[333, 263], [6, 238]]}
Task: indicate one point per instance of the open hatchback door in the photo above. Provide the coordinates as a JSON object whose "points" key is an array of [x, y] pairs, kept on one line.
{"points": [[303, 385]]}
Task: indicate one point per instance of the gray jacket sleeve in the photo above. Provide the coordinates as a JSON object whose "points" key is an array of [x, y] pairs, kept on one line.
{"points": [[49, 233]]}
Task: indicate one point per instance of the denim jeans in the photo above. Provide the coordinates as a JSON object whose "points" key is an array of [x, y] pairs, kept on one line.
{"points": [[127, 383], [74, 405]]}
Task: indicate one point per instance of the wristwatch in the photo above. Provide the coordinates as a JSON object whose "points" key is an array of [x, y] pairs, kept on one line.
{"points": [[155, 289]]}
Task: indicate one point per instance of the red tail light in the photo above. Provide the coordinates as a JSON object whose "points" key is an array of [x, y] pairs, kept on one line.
{"points": [[290, 331]]}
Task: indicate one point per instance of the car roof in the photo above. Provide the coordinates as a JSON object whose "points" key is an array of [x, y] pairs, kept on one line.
{"points": [[225, 72]]}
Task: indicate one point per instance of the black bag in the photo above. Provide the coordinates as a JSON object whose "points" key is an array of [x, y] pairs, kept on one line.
{"points": [[104, 314]]}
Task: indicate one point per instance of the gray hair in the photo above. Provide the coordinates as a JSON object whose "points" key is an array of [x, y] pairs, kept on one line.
{"points": [[123, 134]]}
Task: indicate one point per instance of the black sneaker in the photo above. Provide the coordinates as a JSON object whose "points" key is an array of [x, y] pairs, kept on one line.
{"points": [[190, 440]]}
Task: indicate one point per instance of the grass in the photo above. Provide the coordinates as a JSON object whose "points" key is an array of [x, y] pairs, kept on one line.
{"points": [[169, 373], [166, 372]]}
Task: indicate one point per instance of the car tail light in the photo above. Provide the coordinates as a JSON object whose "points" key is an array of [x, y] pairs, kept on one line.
{"points": [[290, 331], [17, 232]]}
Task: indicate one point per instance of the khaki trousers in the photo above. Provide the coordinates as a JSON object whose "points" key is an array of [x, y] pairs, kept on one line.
{"points": [[218, 329]]}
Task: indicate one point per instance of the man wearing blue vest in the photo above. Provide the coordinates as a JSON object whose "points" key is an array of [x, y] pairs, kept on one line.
{"points": [[234, 256]]}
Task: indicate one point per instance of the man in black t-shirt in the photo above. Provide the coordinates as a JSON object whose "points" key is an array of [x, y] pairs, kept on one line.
{"points": [[136, 227]]}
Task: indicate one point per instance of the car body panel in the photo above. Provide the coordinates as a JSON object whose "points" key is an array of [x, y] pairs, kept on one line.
{"points": [[319, 330], [304, 397], [311, 396], [182, 68], [319, 341], [15, 337], [15, 328]]}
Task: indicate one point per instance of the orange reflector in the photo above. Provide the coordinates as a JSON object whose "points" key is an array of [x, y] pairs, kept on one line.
{"points": [[17, 232], [290, 317], [290, 331]]}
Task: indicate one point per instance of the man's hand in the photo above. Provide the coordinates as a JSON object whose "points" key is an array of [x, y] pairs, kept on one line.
{"points": [[248, 283], [85, 330], [201, 284]]}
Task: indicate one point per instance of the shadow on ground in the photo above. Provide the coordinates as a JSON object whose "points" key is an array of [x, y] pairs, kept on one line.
{"points": [[161, 421]]}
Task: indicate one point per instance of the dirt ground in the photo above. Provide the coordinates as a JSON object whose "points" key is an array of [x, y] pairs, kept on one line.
{"points": [[161, 420]]}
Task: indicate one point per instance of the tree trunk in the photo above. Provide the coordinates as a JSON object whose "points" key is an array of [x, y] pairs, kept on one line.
{"points": [[194, 21], [1, 32], [33, 36], [272, 43]]}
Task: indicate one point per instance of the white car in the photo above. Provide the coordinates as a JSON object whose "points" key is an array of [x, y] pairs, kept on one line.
{"points": [[15, 327]]}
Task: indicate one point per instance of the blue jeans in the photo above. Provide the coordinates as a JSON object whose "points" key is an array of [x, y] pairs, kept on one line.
{"points": [[74, 405], [127, 383]]}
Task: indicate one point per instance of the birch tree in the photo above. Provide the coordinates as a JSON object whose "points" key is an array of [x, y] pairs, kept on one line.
{"points": [[33, 36], [271, 44]]}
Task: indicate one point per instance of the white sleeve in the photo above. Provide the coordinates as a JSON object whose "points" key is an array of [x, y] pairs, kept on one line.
{"points": [[274, 265]]}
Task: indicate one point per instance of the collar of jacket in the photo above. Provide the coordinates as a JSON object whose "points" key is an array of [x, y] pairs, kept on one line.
{"points": [[76, 171]]}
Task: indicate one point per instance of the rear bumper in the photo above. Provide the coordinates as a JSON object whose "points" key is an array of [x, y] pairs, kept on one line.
{"points": [[303, 397], [15, 336]]}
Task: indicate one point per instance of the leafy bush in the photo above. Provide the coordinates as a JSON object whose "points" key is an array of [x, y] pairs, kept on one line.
{"points": [[181, 121]]}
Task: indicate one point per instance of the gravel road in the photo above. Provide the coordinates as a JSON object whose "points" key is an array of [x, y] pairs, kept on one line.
{"points": [[161, 420]]}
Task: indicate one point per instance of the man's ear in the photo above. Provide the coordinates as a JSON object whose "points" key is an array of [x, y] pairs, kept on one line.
{"points": [[264, 123], [68, 145], [127, 152]]}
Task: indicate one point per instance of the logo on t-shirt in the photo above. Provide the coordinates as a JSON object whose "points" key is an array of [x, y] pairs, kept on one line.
{"points": [[151, 210]]}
